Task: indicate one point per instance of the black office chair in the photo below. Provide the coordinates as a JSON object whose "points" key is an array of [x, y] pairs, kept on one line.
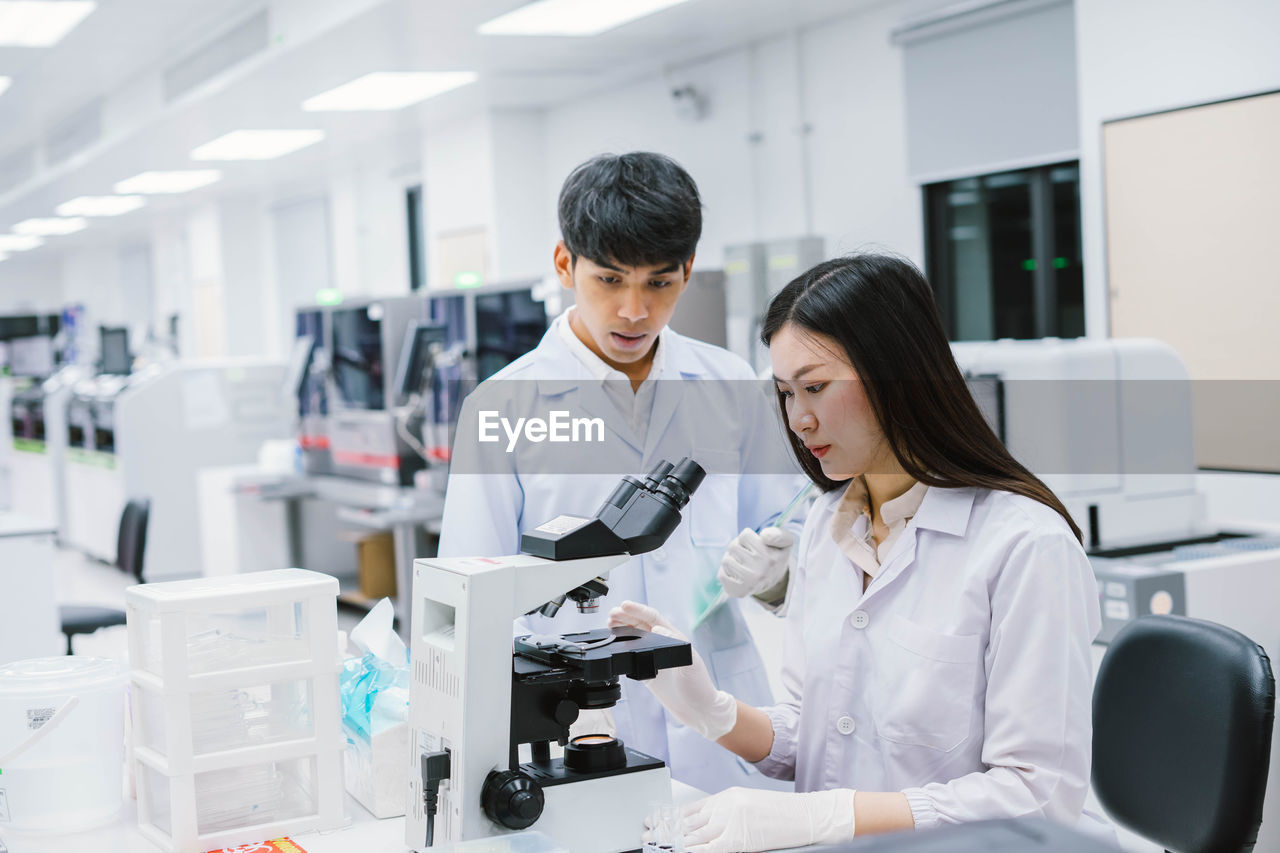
{"points": [[1182, 717], [131, 542]]}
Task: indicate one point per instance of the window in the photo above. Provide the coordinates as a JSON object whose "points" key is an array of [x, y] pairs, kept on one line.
{"points": [[1003, 254], [417, 257]]}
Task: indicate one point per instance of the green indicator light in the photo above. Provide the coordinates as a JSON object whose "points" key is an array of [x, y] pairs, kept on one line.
{"points": [[328, 296], [1029, 265], [1059, 263], [467, 279]]}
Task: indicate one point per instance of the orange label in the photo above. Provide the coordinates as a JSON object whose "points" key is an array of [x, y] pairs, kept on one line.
{"points": [[276, 845]]}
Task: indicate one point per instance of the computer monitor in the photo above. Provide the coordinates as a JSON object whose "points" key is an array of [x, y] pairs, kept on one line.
{"points": [[508, 325], [415, 357], [299, 365], [357, 358], [114, 348]]}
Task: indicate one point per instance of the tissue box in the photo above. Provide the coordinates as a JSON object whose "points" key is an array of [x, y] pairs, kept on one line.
{"points": [[377, 769]]}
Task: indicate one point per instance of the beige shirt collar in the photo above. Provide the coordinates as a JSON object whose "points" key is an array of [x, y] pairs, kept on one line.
{"points": [[851, 523]]}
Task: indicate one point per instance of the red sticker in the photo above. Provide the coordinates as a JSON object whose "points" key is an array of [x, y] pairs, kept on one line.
{"points": [[276, 845]]}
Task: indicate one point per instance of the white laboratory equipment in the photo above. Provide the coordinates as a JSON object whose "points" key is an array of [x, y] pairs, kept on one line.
{"points": [[235, 708], [1107, 424], [474, 703], [167, 424]]}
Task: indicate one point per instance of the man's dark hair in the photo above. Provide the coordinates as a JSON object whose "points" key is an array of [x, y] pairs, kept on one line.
{"points": [[637, 209]]}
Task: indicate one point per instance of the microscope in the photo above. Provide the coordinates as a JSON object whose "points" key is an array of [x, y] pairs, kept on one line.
{"points": [[477, 695]]}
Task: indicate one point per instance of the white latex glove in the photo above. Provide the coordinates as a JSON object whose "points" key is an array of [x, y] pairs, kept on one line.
{"points": [[746, 820], [755, 562], [686, 691]]}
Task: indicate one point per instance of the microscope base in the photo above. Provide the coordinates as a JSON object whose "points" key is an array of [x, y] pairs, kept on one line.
{"points": [[602, 814]]}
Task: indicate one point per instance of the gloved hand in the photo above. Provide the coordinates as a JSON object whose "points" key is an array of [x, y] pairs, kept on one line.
{"points": [[746, 820], [686, 691], [755, 562]]}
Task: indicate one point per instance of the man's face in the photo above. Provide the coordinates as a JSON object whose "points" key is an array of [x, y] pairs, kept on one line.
{"points": [[622, 309]]}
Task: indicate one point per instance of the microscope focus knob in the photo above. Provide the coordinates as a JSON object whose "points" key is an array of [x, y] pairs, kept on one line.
{"points": [[511, 798]]}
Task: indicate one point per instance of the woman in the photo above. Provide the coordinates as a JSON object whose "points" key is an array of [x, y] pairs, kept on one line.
{"points": [[940, 617]]}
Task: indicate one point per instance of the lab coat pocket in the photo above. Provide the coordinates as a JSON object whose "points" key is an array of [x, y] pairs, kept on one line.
{"points": [[926, 695], [713, 509], [739, 671]]}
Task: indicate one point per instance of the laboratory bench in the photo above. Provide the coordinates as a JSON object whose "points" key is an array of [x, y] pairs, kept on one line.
{"points": [[410, 515], [362, 834]]}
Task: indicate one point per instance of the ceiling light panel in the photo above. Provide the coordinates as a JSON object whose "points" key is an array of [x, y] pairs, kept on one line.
{"points": [[40, 23], [50, 227], [387, 90], [19, 242], [155, 183], [256, 144], [100, 205], [571, 17]]}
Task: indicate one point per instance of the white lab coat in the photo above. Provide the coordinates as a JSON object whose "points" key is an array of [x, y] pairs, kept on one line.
{"points": [[961, 676], [715, 422]]}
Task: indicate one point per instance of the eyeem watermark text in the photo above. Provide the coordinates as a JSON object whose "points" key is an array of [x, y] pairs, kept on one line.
{"points": [[558, 427]]}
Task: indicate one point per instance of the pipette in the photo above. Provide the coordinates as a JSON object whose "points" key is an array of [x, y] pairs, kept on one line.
{"points": [[721, 596]]}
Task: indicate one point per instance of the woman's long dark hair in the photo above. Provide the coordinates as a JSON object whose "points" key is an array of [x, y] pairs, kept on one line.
{"points": [[881, 311]]}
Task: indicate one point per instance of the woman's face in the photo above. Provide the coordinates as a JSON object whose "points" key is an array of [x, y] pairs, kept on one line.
{"points": [[826, 405]]}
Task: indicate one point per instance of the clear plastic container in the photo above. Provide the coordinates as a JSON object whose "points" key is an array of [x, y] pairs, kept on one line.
{"points": [[232, 802], [236, 709], [230, 718], [61, 743], [227, 624], [230, 640]]}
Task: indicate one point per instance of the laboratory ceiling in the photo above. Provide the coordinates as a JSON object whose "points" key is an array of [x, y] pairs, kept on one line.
{"points": [[140, 83]]}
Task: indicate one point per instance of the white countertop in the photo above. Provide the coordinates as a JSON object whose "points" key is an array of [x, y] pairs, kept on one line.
{"points": [[17, 524], [364, 834]]}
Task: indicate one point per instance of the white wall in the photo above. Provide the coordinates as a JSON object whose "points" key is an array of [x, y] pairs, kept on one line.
{"points": [[369, 236], [804, 132], [30, 284], [247, 281], [862, 197], [524, 227], [1141, 56], [458, 178], [92, 278]]}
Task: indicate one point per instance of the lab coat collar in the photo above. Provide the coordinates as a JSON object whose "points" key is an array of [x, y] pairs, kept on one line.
{"points": [[563, 371], [945, 510], [942, 510]]}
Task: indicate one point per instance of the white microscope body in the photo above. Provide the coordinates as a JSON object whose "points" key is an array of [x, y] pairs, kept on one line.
{"points": [[475, 700]]}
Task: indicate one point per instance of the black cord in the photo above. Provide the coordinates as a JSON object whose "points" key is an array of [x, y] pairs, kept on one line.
{"points": [[435, 768]]}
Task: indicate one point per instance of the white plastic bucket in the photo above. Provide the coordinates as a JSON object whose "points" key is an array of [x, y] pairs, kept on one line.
{"points": [[61, 743]]}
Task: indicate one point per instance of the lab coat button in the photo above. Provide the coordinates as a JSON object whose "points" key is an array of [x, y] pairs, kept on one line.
{"points": [[845, 725], [860, 619], [660, 555]]}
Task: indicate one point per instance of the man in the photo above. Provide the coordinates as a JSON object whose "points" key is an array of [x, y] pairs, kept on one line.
{"points": [[630, 226]]}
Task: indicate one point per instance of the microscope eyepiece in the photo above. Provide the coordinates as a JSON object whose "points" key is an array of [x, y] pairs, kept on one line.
{"points": [[682, 481], [636, 518], [679, 482], [654, 477]]}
